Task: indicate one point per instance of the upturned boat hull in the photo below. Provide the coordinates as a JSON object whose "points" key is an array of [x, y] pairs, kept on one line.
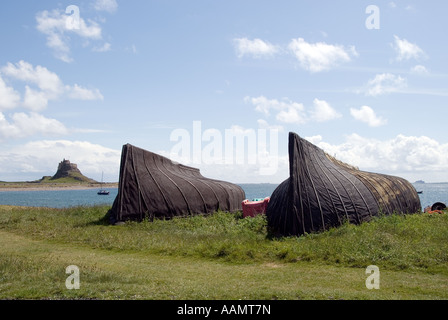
{"points": [[152, 186], [323, 192]]}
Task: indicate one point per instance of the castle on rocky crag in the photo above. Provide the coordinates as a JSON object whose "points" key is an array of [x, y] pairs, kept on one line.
{"points": [[68, 169]]}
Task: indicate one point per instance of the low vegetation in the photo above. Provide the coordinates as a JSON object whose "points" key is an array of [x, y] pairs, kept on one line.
{"points": [[46, 183], [220, 256]]}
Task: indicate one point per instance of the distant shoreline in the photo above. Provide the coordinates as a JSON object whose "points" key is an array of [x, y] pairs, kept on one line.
{"points": [[28, 186]]}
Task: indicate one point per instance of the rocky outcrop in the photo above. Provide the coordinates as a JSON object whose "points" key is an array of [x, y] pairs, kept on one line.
{"points": [[66, 169]]}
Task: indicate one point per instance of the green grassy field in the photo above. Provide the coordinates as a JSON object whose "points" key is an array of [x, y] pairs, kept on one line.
{"points": [[221, 256]]}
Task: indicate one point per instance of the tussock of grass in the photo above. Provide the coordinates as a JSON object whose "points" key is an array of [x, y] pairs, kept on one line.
{"points": [[397, 242]]}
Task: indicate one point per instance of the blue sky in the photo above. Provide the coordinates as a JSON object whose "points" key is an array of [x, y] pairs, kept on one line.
{"points": [[140, 71]]}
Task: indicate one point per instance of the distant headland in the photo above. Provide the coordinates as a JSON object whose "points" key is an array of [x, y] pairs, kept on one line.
{"points": [[67, 176], [67, 173]]}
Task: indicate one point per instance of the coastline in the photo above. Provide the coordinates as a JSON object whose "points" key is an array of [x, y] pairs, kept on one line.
{"points": [[52, 187]]}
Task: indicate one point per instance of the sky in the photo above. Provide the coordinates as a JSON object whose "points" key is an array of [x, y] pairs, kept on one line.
{"points": [[218, 85]]}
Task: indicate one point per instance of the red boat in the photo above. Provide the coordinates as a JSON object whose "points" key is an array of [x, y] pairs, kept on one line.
{"points": [[255, 207]]}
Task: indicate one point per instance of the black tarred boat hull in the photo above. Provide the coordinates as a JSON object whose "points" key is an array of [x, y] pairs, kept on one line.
{"points": [[323, 192], [152, 186]]}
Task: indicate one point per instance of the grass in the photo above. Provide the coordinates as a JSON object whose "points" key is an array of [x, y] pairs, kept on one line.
{"points": [[73, 177], [220, 256]]}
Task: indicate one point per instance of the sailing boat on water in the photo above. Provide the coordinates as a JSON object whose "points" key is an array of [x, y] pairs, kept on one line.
{"points": [[102, 191]]}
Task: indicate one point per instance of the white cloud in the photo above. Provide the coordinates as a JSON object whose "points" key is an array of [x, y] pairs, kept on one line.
{"points": [[408, 156], [323, 112], [38, 158], [316, 140], [314, 57], [9, 98], [104, 48], [367, 115], [317, 57], [24, 125], [80, 93], [263, 124], [106, 5], [55, 25], [256, 48], [419, 69], [385, 83], [48, 83], [288, 111], [35, 100], [406, 50], [293, 113], [41, 86]]}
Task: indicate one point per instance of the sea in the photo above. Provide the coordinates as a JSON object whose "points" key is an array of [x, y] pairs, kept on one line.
{"points": [[430, 194]]}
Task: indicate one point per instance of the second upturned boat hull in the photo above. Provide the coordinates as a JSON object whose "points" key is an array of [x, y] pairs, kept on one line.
{"points": [[323, 192]]}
